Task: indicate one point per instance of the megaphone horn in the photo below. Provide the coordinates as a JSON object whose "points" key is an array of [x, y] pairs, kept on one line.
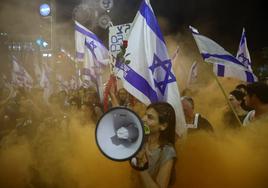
{"points": [[119, 134]]}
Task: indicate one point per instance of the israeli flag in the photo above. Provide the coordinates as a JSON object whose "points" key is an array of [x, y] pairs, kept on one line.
{"points": [[20, 76], [243, 54], [224, 63], [85, 39], [149, 75], [91, 50], [82, 53]]}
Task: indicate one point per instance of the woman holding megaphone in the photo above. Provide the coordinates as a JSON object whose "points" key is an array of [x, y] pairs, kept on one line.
{"points": [[157, 157]]}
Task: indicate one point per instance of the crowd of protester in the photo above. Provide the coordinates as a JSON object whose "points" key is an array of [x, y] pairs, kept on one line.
{"points": [[26, 109]]}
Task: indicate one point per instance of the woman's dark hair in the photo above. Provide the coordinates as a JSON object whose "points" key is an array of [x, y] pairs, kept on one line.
{"points": [[166, 114], [241, 86], [240, 95]]}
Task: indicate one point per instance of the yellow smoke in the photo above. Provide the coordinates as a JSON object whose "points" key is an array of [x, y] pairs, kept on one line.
{"points": [[15, 160], [58, 157], [229, 159]]}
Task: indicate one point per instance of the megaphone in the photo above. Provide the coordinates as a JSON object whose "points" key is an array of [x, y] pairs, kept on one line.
{"points": [[119, 134]]}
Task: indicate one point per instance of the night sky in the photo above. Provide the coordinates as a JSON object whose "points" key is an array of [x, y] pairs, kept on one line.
{"points": [[217, 19], [220, 20]]}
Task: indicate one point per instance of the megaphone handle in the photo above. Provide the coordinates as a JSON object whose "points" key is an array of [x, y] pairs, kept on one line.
{"points": [[140, 161], [136, 166]]}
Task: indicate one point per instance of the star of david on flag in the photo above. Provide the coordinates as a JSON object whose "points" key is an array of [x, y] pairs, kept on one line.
{"points": [[20, 76], [157, 67], [149, 76], [91, 47]]}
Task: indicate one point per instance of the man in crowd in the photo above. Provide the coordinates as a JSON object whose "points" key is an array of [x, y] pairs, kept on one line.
{"points": [[123, 96], [256, 98], [195, 122]]}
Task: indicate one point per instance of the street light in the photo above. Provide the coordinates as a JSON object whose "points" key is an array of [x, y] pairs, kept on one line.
{"points": [[41, 42], [44, 9], [106, 4]]}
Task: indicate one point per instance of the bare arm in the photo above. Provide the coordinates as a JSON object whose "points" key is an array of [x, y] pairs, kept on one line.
{"points": [[113, 97], [164, 174], [162, 178], [114, 100]]}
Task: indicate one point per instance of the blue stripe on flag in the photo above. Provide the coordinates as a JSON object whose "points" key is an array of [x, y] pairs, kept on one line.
{"points": [[87, 72], [224, 57], [250, 77], [151, 21], [220, 71], [138, 82], [90, 49], [87, 33], [79, 55], [243, 38], [141, 84]]}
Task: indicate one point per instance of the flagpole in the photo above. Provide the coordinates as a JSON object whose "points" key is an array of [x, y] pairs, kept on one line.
{"points": [[174, 57], [189, 80], [226, 97]]}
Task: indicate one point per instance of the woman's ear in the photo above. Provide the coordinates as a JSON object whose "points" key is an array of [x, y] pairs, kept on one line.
{"points": [[163, 126]]}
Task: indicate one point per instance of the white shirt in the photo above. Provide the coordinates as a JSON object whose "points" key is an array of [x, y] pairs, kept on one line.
{"points": [[249, 118]]}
